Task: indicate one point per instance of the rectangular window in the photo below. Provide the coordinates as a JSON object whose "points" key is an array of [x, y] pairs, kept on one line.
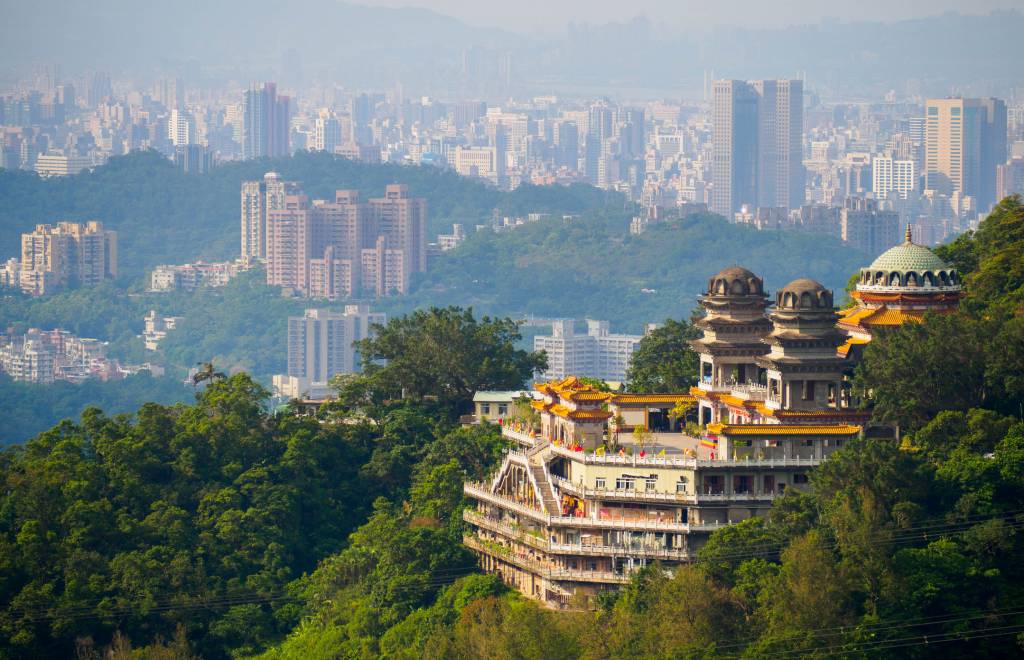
{"points": [[808, 390], [807, 442], [485, 408], [680, 486], [625, 483], [502, 409], [650, 483], [599, 483], [799, 478]]}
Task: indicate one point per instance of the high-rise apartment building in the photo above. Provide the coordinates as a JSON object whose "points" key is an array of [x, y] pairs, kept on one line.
{"points": [[892, 178], [320, 343], [326, 133], [289, 243], [757, 150], [402, 220], [259, 197], [869, 228], [68, 254], [965, 140], [265, 120], [596, 354], [1010, 178], [180, 128]]}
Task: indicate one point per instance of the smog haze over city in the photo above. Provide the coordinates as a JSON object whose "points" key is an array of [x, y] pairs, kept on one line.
{"points": [[541, 330]]}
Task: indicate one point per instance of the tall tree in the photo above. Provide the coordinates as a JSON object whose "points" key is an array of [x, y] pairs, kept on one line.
{"points": [[664, 362], [445, 355]]}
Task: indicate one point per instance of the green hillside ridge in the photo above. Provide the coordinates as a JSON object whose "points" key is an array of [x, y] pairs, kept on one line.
{"points": [[594, 267]]}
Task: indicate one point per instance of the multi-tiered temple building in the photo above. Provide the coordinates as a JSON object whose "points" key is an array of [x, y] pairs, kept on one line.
{"points": [[602, 484]]}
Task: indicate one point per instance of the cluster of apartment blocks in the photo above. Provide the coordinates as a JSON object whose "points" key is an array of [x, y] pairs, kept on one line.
{"points": [[45, 356], [56, 257], [334, 249]]}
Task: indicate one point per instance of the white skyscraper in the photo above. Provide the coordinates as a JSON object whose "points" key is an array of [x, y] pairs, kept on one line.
{"points": [[180, 128]]}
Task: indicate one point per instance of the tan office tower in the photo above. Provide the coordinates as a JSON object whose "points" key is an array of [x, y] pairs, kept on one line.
{"points": [[259, 197], [757, 146], [965, 139]]}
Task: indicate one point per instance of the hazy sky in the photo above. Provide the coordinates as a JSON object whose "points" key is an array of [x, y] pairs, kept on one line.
{"points": [[674, 14]]}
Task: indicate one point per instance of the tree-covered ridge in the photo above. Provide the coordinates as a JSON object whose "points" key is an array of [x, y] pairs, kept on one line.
{"points": [[200, 523], [166, 216], [594, 267]]}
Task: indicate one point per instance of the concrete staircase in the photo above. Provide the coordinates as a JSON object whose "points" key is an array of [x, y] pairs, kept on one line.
{"points": [[540, 477]]}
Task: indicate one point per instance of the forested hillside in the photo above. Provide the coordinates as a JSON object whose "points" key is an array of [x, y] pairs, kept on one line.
{"points": [[165, 216], [223, 529], [595, 267]]}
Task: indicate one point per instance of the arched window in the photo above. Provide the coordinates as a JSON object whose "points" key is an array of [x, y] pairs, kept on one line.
{"points": [[953, 277], [894, 279], [929, 278], [720, 287], [912, 279], [805, 300], [879, 278], [737, 288], [944, 278]]}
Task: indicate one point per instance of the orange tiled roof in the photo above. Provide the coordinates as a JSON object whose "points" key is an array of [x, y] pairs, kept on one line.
{"points": [[892, 317], [784, 429], [879, 316], [734, 401], [844, 350], [572, 389], [652, 398], [579, 415]]}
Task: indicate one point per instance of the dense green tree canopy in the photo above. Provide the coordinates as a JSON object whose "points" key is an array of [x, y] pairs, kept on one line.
{"points": [[444, 355], [665, 362]]}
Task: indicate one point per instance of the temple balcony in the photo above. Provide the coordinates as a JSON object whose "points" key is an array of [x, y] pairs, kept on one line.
{"points": [[750, 392], [481, 493], [581, 549], [542, 569]]}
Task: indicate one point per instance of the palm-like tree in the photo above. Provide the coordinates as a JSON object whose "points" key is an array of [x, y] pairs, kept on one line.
{"points": [[206, 372]]}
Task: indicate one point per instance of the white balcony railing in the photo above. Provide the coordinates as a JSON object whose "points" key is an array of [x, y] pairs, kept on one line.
{"points": [[480, 492], [541, 543]]}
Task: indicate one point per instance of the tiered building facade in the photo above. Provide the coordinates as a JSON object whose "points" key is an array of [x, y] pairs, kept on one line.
{"points": [[602, 484]]}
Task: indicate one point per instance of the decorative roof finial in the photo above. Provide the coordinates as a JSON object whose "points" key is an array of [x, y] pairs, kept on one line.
{"points": [[909, 237]]}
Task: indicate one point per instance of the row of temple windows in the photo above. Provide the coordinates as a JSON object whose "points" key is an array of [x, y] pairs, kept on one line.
{"points": [[928, 278], [712, 483]]}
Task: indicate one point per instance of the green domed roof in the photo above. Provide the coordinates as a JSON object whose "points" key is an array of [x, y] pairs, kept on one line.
{"points": [[908, 257]]}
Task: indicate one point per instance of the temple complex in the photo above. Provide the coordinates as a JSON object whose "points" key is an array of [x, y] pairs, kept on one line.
{"points": [[601, 484]]}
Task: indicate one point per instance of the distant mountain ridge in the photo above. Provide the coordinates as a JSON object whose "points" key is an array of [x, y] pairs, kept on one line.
{"points": [[423, 50]]}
